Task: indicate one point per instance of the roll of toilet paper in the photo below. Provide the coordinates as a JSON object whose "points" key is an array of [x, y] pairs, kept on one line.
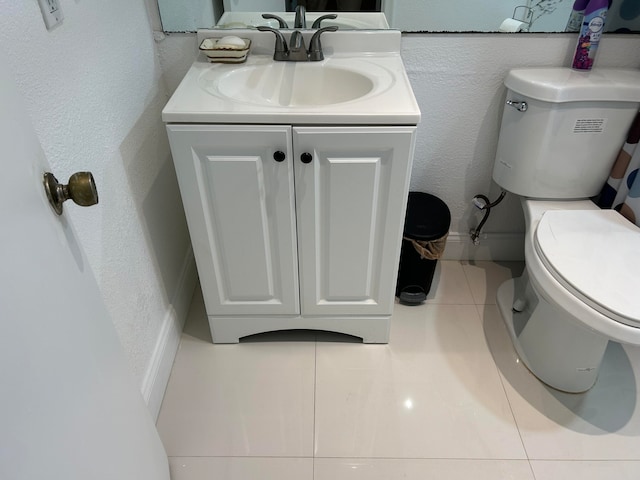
{"points": [[513, 25]]}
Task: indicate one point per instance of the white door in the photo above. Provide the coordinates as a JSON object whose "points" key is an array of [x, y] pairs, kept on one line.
{"points": [[236, 183], [350, 204], [69, 407]]}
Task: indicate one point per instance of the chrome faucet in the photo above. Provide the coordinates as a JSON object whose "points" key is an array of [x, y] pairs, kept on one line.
{"points": [[296, 51], [300, 20], [301, 17], [315, 47], [281, 51], [329, 16], [271, 16]]}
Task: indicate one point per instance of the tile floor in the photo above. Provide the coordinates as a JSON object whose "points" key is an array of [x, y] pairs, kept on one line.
{"points": [[445, 399]]}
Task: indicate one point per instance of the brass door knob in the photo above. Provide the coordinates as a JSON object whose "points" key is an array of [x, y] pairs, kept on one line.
{"points": [[81, 189]]}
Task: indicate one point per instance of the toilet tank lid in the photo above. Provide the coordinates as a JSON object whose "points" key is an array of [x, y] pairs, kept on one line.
{"points": [[559, 85]]}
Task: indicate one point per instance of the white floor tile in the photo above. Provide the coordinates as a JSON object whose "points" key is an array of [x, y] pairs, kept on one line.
{"points": [[431, 404], [224, 468], [413, 469], [433, 392], [485, 277], [601, 424], [250, 399], [450, 285], [602, 470]]}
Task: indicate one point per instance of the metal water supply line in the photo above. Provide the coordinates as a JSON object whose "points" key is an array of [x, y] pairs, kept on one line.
{"points": [[482, 202]]}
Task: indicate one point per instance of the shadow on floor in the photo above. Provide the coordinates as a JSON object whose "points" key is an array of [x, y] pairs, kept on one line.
{"points": [[609, 405]]}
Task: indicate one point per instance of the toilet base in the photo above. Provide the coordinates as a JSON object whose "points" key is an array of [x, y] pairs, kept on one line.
{"points": [[555, 347]]}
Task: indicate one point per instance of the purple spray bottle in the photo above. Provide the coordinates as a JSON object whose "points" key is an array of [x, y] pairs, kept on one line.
{"points": [[592, 27]]}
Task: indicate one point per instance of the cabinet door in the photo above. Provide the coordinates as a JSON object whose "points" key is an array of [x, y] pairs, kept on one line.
{"points": [[350, 205], [239, 203]]}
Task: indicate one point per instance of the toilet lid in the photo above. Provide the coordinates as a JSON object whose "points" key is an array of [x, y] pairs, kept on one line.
{"points": [[596, 255]]}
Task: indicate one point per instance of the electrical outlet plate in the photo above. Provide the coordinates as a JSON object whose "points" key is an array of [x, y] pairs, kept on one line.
{"points": [[51, 12]]}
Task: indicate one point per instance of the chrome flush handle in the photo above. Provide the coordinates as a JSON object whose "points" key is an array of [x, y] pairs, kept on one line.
{"points": [[520, 106]]}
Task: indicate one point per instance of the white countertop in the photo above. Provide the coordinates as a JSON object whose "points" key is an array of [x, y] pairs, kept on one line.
{"points": [[391, 102]]}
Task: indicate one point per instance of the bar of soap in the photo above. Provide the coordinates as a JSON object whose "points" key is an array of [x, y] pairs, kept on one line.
{"points": [[208, 44], [231, 41]]}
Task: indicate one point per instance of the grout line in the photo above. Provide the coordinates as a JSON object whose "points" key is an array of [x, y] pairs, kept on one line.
{"points": [[513, 415], [315, 385], [471, 459], [430, 302], [533, 473], [467, 281], [504, 390], [480, 307], [456, 459], [240, 456]]}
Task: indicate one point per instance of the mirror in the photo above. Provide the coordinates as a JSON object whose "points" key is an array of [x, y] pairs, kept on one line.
{"points": [[412, 15]]}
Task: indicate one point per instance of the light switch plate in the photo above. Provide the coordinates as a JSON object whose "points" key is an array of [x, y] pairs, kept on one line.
{"points": [[51, 12]]}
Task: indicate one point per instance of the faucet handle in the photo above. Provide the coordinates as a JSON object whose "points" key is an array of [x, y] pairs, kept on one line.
{"points": [[281, 44], [330, 16], [315, 47], [271, 16]]}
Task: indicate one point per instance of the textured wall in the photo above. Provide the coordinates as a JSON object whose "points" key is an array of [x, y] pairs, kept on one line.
{"points": [[457, 80], [94, 91]]}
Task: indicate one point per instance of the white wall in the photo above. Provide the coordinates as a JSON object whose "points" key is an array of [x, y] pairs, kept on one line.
{"points": [[95, 91], [457, 79]]}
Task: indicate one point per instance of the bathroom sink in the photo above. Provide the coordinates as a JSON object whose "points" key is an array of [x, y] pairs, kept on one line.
{"points": [[361, 81], [292, 84]]}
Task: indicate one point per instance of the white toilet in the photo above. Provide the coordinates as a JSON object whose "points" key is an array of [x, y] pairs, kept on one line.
{"points": [[561, 132]]}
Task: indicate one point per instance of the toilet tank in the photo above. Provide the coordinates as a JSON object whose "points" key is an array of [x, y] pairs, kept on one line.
{"points": [[564, 144]]}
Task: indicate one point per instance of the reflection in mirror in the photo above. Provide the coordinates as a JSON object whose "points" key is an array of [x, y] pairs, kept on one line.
{"points": [[343, 20], [188, 15], [528, 15], [406, 15]]}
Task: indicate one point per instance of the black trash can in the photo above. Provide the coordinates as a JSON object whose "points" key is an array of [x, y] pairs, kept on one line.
{"points": [[425, 232]]}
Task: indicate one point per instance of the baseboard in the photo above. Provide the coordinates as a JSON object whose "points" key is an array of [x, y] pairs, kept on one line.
{"points": [[492, 246], [157, 376]]}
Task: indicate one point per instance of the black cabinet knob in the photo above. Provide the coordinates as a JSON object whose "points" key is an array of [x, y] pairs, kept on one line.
{"points": [[279, 156], [306, 157]]}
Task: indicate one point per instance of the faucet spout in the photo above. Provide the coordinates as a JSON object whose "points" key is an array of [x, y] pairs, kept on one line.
{"points": [[301, 17], [297, 48], [297, 41]]}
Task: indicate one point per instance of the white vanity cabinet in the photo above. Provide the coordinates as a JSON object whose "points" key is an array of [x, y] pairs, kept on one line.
{"points": [[295, 227]]}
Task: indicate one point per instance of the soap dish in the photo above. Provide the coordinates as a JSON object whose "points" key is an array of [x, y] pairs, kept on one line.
{"points": [[216, 51], [227, 59]]}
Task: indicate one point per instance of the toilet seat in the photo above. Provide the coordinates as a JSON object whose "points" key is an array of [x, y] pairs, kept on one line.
{"points": [[595, 255]]}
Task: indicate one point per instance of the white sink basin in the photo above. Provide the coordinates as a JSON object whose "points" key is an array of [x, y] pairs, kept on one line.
{"points": [[297, 85], [361, 81], [290, 84]]}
